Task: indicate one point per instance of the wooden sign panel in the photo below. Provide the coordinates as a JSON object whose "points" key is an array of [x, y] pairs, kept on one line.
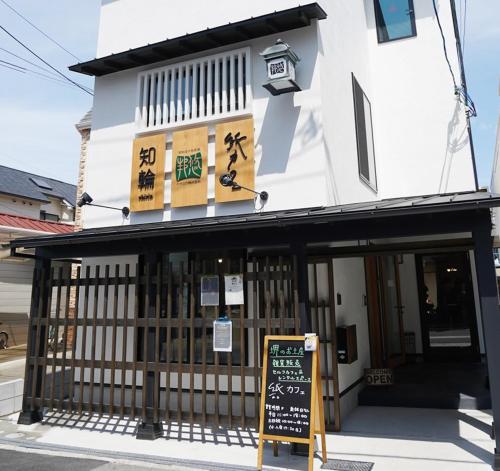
{"points": [[291, 408], [189, 167], [234, 155], [148, 173]]}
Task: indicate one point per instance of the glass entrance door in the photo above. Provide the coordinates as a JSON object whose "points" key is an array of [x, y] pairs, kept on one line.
{"points": [[449, 325], [392, 311]]}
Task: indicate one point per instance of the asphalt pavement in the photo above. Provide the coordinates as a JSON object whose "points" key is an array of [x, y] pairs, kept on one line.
{"points": [[28, 461]]}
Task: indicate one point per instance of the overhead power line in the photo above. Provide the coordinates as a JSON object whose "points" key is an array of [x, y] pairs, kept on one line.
{"points": [[45, 62], [39, 30], [24, 70], [28, 62]]}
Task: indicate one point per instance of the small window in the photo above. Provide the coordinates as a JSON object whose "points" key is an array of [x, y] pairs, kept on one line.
{"points": [[395, 19], [364, 136], [45, 216]]}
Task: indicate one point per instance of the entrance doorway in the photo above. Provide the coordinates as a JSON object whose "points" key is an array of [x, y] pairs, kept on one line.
{"points": [[447, 309], [385, 312]]}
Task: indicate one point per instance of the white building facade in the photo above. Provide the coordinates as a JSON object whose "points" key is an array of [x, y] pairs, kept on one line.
{"points": [[358, 240]]}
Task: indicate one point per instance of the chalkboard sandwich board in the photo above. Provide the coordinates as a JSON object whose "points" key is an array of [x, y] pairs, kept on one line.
{"points": [[291, 408]]}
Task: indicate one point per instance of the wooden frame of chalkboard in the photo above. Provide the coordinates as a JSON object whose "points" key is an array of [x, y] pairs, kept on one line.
{"points": [[291, 405]]}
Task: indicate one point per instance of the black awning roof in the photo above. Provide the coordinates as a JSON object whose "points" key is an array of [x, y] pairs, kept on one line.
{"points": [[429, 204], [210, 38]]}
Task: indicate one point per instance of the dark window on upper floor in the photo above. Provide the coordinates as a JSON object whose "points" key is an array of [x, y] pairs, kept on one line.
{"points": [[395, 19], [364, 136], [44, 216]]}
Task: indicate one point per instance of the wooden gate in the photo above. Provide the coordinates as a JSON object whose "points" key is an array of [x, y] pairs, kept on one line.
{"points": [[133, 340]]}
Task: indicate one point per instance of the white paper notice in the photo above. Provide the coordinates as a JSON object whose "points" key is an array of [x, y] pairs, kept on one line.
{"points": [[234, 290], [223, 336], [210, 290]]}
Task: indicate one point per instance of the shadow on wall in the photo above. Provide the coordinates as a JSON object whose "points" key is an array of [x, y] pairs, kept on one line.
{"points": [[422, 9], [456, 140]]}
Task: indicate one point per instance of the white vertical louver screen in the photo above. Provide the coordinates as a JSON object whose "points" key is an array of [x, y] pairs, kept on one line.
{"points": [[208, 88]]}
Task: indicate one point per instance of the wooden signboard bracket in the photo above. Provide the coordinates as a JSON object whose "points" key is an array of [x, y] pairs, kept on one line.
{"points": [[274, 396]]}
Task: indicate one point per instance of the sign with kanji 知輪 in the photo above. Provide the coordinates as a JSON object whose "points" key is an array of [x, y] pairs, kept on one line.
{"points": [[234, 157], [148, 173], [189, 167]]}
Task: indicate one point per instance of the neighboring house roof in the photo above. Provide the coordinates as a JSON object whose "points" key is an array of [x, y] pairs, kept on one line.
{"points": [[277, 22], [21, 222], [36, 187]]}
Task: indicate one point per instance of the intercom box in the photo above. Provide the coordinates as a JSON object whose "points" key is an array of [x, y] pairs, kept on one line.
{"points": [[347, 344]]}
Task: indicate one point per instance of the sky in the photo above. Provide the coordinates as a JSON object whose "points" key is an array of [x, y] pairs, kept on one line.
{"points": [[37, 122]]}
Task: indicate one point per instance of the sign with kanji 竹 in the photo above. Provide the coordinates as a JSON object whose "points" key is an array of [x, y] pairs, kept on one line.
{"points": [[189, 167], [148, 173], [234, 157]]}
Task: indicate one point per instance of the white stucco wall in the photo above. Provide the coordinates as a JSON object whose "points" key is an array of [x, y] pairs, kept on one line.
{"points": [[306, 153], [19, 206]]}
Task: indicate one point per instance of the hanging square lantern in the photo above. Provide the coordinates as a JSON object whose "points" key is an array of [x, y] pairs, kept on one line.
{"points": [[280, 62]]}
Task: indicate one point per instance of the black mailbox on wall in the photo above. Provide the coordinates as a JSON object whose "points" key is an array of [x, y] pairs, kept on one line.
{"points": [[347, 344]]}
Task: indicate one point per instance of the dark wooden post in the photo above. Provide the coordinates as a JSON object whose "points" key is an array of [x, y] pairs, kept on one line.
{"points": [[149, 429], [299, 251], [490, 314], [31, 412]]}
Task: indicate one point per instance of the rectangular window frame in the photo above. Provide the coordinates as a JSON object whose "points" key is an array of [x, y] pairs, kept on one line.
{"points": [[378, 21], [370, 182]]}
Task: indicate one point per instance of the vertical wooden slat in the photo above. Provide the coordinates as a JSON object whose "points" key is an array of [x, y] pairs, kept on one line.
{"points": [[152, 100], [256, 335], [138, 276], [158, 98], [168, 341], [180, 329], [104, 331], [225, 85], [267, 297], [187, 100], [171, 108], [241, 104], [296, 296], [204, 357], [145, 344], [248, 79], [216, 97], [194, 94], [232, 84], [333, 337], [201, 105], [65, 340], [156, 391], [139, 101], [325, 355], [84, 338], [116, 287], [192, 312], [56, 335], [166, 86], [178, 108], [242, 350], [229, 367], [124, 340], [281, 296], [216, 380], [93, 343], [210, 97], [45, 338], [316, 303], [75, 337]]}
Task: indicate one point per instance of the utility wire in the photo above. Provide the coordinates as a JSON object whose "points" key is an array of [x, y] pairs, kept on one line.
{"points": [[24, 70], [444, 45], [45, 62], [464, 28], [27, 61], [39, 30]]}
